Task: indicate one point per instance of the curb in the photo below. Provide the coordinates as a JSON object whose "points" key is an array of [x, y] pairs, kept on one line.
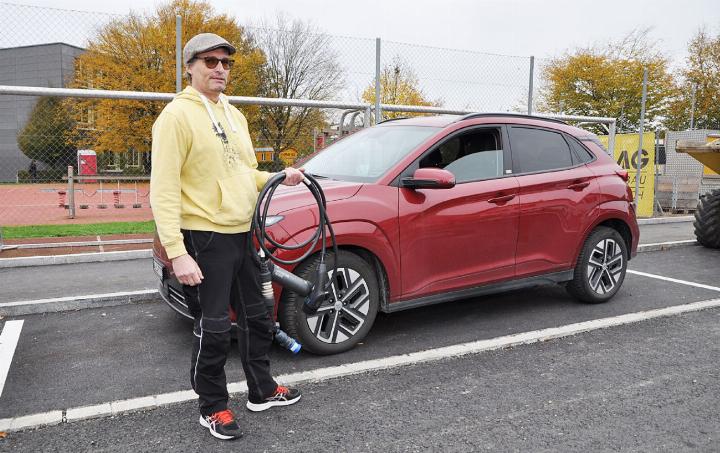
{"points": [[98, 257], [31, 307], [662, 220], [665, 245]]}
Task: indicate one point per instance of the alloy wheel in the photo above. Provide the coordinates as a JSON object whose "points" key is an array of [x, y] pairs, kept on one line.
{"points": [[344, 315], [605, 266]]}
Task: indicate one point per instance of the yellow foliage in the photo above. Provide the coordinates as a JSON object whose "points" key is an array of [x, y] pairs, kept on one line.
{"points": [[590, 82], [137, 53], [701, 77], [398, 86]]}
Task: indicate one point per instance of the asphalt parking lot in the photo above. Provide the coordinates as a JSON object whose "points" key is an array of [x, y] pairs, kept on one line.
{"points": [[646, 385]]}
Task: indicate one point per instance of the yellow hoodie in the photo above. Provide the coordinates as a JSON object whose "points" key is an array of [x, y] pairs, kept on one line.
{"points": [[202, 179]]}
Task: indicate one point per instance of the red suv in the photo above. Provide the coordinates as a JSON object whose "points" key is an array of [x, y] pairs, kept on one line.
{"points": [[434, 209]]}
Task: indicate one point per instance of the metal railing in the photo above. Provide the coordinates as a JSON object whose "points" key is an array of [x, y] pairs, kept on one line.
{"points": [[350, 107]]}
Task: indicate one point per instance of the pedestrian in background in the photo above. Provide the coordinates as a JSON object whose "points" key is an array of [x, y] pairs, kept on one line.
{"points": [[32, 170]]}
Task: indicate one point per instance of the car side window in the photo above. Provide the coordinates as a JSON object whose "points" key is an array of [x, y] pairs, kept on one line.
{"points": [[470, 156], [536, 150]]}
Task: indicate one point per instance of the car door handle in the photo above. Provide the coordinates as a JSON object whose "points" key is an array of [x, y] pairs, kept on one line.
{"points": [[501, 199], [579, 185]]}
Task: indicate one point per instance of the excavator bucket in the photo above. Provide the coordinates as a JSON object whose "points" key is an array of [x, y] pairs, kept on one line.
{"points": [[706, 153]]}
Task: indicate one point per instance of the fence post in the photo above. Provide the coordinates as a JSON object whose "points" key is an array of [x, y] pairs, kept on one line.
{"points": [[611, 138], [378, 111], [71, 191], [178, 53], [368, 114], [692, 107], [530, 87], [640, 146], [2, 243]]}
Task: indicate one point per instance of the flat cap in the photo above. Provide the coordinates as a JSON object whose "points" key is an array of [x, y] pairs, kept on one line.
{"points": [[205, 42]]}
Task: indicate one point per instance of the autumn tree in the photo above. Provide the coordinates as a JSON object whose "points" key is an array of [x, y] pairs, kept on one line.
{"points": [[398, 85], [45, 136], [700, 78], [137, 53], [299, 64], [608, 82]]}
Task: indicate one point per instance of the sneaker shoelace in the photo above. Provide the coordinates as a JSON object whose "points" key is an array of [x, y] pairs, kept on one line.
{"points": [[223, 417], [282, 390]]}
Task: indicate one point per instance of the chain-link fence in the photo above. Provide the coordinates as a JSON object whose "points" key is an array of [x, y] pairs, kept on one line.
{"points": [[46, 47]]}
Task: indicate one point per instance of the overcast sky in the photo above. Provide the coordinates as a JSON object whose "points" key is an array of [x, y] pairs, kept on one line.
{"points": [[480, 81], [543, 28]]}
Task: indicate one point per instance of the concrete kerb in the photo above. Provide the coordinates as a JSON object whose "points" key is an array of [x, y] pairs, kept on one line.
{"points": [[661, 220], [74, 258]]}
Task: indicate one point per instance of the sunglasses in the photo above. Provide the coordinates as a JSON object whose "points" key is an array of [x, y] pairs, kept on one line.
{"points": [[212, 62]]}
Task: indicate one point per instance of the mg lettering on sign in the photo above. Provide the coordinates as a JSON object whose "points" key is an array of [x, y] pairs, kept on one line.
{"points": [[626, 155]]}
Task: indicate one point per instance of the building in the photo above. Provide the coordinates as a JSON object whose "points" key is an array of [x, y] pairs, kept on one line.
{"points": [[44, 65]]}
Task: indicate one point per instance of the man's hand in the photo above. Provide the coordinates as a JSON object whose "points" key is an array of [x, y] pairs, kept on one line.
{"points": [[186, 270], [293, 176]]}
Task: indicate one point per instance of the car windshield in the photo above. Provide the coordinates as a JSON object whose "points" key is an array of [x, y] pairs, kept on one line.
{"points": [[369, 153]]}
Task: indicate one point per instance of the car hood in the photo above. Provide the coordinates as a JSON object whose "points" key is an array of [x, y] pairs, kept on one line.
{"points": [[293, 197]]}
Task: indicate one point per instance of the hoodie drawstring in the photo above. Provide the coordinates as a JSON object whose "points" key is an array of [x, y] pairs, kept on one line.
{"points": [[226, 108], [228, 115]]}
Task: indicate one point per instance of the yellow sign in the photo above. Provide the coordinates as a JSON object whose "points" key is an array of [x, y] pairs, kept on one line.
{"points": [[626, 155], [288, 156]]}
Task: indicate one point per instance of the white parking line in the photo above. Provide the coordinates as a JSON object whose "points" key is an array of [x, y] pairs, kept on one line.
{"points": [[674, 280], [8, 341], [154, 401]]}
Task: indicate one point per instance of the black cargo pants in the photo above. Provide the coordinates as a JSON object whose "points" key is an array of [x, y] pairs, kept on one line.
{"points": [[231, 277]]}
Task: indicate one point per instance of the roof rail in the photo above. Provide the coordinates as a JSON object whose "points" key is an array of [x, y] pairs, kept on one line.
{"points": [[393, 119], [514, 115]]}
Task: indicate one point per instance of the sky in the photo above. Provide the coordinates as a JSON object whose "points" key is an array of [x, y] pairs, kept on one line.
{"points": [[543, 28]]}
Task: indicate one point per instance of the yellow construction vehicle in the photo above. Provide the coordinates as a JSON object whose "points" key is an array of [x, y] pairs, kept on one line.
{"points": [[707, 215]]}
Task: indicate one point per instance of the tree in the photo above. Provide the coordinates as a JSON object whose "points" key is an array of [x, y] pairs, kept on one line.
{"points": [[299, 64], [398, 85], [45, 136], [700, 75], [608, 82], [137, 53]]}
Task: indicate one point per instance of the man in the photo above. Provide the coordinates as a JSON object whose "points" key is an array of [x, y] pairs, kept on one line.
{"points": [[203, 189]]}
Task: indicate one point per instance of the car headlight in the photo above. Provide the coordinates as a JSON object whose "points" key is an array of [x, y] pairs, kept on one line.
{"points": [[272, 220]]}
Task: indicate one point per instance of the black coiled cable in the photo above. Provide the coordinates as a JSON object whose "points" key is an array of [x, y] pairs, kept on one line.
{"points": [[263, 239]]}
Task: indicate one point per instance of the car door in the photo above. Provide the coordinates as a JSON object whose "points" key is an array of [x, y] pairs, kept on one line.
{"points": [[463, 236], [557, 194]]}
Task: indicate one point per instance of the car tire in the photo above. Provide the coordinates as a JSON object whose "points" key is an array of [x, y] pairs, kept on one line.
{"points": [[332, 331], [601, 267]]}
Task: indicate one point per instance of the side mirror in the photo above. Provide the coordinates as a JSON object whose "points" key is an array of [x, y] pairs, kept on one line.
{"points": [[430, 178]]}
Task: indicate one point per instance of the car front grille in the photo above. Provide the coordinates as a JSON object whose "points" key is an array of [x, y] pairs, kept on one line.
{"points": [[176, 296]]}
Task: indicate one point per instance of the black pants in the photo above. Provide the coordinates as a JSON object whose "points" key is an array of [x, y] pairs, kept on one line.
{"points": [[231, 278]]}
